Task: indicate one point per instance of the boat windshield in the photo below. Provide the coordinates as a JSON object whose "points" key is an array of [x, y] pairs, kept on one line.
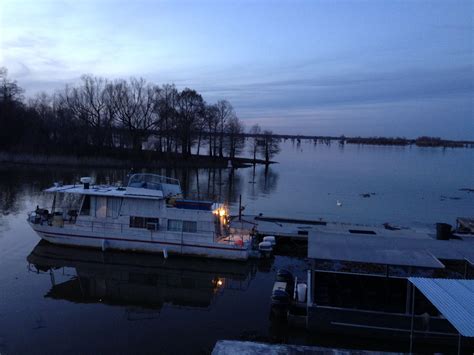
{"points": [[169, 186]]}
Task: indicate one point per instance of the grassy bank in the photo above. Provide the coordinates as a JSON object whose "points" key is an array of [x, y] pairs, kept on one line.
{"points": [[145, 159]]}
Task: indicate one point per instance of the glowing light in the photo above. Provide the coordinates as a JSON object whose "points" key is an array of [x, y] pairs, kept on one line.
{"points": [[222, 212], [220, 282]]}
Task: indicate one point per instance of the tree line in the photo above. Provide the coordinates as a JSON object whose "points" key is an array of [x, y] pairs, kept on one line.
{"points": [[99, 116]]}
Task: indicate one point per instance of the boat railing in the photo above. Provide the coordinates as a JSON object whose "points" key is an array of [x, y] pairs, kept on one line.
{"points": [[169, 186], [151, 178], [232, 239]]}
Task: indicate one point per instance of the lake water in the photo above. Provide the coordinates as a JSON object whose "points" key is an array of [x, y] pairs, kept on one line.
{"points": [[56, 300]]}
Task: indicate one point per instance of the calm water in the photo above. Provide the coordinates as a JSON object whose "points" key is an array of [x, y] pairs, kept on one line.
{"points": [[55, 300]]}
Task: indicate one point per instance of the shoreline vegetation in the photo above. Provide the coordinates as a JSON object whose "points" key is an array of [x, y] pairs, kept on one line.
{"points": [[134, 123], [125, 122]]}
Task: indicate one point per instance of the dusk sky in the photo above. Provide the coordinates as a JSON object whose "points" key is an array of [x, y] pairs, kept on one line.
{"points": [[391, 68]]}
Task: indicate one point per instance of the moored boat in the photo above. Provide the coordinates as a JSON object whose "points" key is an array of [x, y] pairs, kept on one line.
{"points": [[149, 214]]}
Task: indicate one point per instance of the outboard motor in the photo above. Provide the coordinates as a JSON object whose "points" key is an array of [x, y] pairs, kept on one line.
{"points": [[265, 249], [281, 293], [280, 298], [270, 239], [284, 275]]}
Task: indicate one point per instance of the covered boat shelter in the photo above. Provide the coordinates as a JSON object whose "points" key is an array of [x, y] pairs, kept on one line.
{"points": [[359, 283], [394, 252], [454, 299]]}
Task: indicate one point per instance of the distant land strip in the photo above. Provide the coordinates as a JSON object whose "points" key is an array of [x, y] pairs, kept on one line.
{"points": [[423, 141]]}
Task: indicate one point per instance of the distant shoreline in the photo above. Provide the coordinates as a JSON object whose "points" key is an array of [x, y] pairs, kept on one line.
{"points": [[425, 141]]}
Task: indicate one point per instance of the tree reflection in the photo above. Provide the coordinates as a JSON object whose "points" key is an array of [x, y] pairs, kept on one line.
{"points": [[267, 180]]}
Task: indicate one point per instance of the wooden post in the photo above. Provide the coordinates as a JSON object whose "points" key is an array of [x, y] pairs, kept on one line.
{"points": [[408, 298], [412, 316], [240, 207]]}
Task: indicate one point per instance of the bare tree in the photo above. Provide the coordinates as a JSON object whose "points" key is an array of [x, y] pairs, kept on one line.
{"points": [[200, 127], [224, 112], [11, 111], [212, 123], [167, 103], [190, 111], [235, 138], [89, 103], [134, 103], [255, 131], [270, 146], [9, 89]]}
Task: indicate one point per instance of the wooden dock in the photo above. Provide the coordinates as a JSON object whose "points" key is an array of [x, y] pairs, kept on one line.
{"points": [[299, 229]]}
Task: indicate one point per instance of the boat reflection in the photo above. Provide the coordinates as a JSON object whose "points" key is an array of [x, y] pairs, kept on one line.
{"points": [[139, 282]]}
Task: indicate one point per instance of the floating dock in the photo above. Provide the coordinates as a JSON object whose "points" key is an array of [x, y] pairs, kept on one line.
{"points": [[231, 347], [299, 229]]}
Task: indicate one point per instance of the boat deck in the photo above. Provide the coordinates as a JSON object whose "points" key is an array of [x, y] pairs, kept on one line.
{"points": [[108, 191]]}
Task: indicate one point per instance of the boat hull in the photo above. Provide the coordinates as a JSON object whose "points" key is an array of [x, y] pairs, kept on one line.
{"points": [[153, 244]]}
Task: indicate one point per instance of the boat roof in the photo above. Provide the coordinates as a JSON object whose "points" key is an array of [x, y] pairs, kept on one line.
{"points": [[110, 191], [453, 298]]}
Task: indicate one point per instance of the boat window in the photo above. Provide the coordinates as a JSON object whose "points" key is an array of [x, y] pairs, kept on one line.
{"points": [[189, 226], [175, 225], [137, 222], [113, 206], [86, 206], [144, 222], [361, 231]]}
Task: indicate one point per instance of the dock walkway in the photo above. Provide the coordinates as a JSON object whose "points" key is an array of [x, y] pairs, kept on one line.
{"points": [[300, 229]]}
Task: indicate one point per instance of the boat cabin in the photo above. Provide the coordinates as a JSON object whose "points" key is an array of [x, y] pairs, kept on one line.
{"points": [[148, 202]]}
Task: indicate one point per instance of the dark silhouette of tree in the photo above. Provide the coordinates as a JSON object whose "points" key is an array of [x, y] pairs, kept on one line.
{"points": [[255, 131], [115, 119], [9, 90], [235, 138], [13, 114], [190, 111], [270, 146], [90, 103], [134, 105], [212, 122], [224, 112], [167, 111]]}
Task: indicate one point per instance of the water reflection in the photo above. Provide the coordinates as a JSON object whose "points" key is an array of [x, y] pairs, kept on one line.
{"points": [[139, 282], [215, 184], [225, 185], [262, 180]]}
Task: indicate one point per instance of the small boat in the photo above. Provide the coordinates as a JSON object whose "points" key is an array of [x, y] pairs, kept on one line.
{"points": [[149, 214], [288, 298]]}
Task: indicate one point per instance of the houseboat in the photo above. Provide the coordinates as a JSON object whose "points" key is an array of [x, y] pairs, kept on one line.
{"points": [[367, 284], [149, 215]]}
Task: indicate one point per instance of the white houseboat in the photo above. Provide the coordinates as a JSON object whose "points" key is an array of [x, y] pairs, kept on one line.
{"points": [[149, 214]]}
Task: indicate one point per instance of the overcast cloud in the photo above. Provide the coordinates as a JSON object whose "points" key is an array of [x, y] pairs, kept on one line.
{"points": [[310, 67]]}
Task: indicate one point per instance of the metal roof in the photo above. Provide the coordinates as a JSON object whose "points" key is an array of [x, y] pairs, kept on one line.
{"points": [[453, 298], [400, 249], [370, 249]]}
